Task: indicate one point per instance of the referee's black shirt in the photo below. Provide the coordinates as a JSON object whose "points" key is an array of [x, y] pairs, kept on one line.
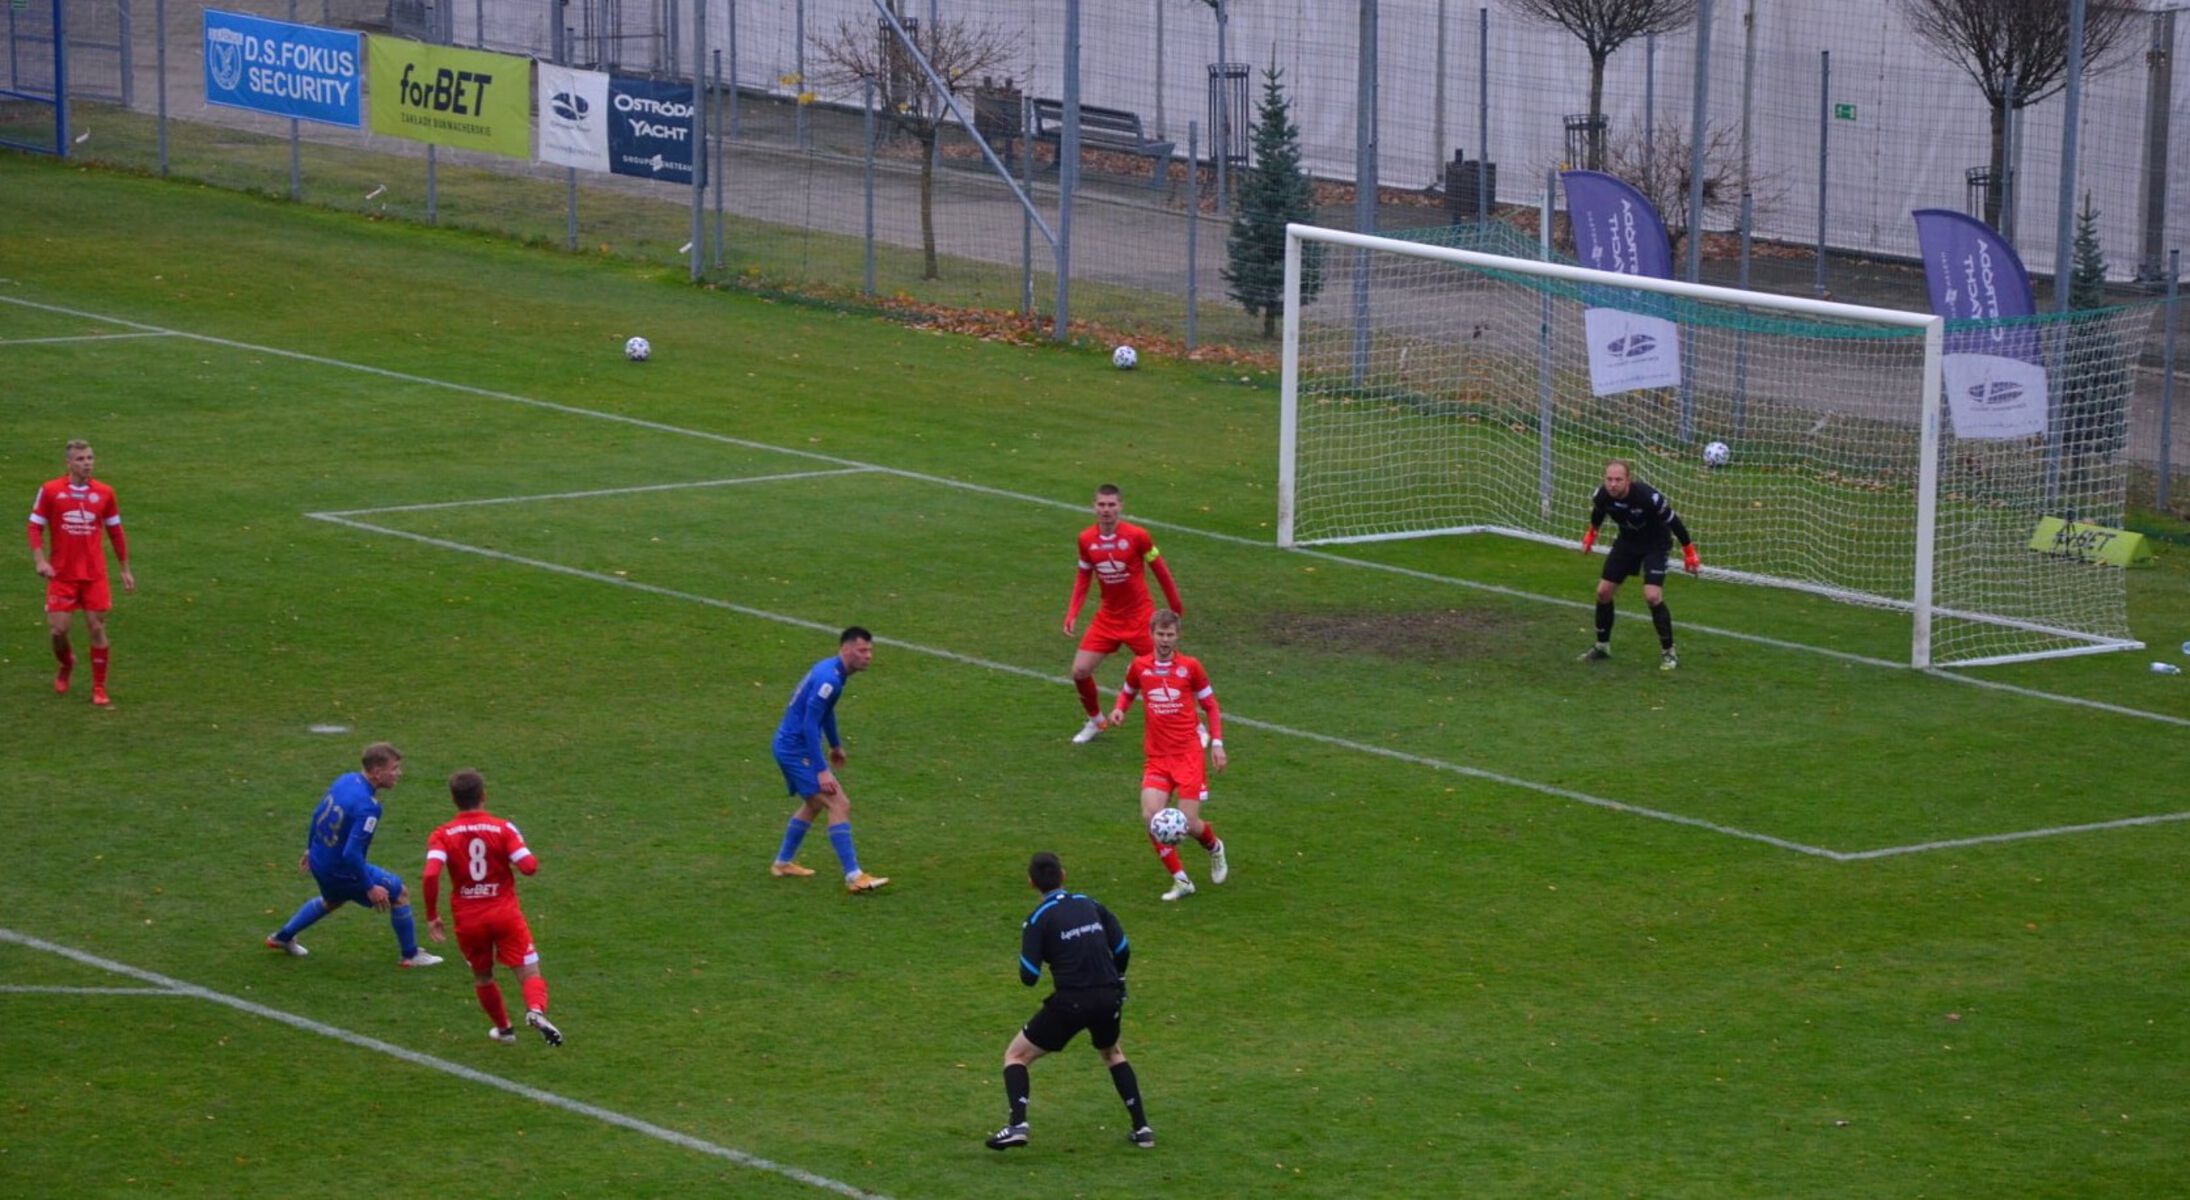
{"points": [[1083, 944]]}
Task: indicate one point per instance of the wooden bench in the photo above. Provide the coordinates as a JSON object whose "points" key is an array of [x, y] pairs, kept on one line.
{"points": [[1106, 129]]}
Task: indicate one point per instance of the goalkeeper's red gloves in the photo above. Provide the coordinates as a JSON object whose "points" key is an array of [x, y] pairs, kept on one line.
{"points": [[1690, 560], [1589, 538]]}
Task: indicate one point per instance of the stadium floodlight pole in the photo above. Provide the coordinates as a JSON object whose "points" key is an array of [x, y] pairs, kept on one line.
{"points": [[1193, 227], [1068, 173], [866, 162], [2065, 220], [696, 146], [1482, 119], [159, 22], [1365, 178], [1697, 135]]}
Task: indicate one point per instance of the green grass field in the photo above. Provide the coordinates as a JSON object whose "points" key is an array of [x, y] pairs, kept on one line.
{"points": [[1499, 924]]}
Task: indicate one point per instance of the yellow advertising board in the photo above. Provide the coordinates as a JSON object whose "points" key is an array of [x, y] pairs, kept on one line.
{"points": [[469, 99]]}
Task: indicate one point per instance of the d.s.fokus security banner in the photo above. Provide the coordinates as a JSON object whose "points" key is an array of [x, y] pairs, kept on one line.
{"points": [[282, 68], [1632, 343], [1991, 366]]}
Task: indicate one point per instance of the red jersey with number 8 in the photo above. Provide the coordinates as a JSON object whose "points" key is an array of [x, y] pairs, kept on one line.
{"points": [[479, 849]]}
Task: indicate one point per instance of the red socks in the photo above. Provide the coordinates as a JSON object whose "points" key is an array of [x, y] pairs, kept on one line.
{"points": [[1090, 698], [1169, 855], [490, 998], [1207, 837], [536, 993], [98, 665]]}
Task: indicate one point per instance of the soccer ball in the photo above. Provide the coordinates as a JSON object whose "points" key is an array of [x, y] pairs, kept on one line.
{"points": [[1716, 454], [1168, 826], [1125, 358], [637, 349]]}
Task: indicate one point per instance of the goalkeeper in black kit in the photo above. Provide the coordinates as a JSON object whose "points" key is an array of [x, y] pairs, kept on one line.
{"points": [[1086, 950], [1648, 529]]}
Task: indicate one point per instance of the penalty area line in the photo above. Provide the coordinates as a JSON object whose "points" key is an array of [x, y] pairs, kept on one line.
{"points": [[429, 1062], [595, 493], [1044, 677], [87, 337], [39, 989], [983, 489]]}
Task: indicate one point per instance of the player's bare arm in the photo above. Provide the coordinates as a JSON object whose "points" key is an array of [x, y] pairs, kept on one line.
{"points": [[837, 757]]}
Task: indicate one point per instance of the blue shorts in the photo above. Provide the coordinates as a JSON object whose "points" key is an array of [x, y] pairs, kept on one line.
{"points": [[338, 889], [800, 774]]}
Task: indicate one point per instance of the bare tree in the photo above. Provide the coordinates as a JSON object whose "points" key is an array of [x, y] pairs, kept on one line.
{"points": [[1659, 169], [1603, 26], [858, 53], [2017, 52]]}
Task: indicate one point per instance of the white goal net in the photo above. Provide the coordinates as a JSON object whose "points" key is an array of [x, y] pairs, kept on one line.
{"points": [[1430, 390]]}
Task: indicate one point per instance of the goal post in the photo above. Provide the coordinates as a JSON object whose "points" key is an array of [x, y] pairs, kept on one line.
{"points": [[1429, 390]]}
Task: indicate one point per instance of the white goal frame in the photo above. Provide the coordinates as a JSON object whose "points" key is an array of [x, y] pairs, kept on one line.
{"points": [[1919, 604]]}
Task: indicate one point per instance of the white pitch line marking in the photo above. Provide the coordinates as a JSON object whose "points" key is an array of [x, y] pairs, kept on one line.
{"points": [[86, 337], [429, 1062], [1030, 673], [620, 491], [1987, 839], [1025, 498], [34, 989]]}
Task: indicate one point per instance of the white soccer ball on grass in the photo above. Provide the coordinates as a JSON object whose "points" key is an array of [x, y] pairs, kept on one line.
{"points": [[637, 349], [1125, 358], [1168, 826], [1717, 454]]}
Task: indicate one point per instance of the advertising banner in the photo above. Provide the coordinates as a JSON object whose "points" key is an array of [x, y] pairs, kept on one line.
{"points": [[1632, 344], [468, 99], [574, 117], [1991, 366], [281, 68], [650, 128]]}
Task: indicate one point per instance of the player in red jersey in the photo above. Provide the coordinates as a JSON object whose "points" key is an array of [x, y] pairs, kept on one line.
{"points": [[74, 509], [1116, 553], [480, 849], [1171, 684]]}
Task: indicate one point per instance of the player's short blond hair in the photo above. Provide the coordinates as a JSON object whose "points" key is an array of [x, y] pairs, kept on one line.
{"points": [[75, 444], [380, 754], [1164, 619]]}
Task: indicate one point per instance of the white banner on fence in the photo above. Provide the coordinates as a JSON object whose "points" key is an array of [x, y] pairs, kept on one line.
{"points": [[573, 117], [1994, 397], [1628, 351]]}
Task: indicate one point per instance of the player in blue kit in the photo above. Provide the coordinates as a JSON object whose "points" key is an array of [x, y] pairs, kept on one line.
{"points": [[807, 721], [334, 852]]}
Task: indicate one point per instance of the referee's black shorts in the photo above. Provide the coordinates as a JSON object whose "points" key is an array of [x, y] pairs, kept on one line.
{"points": [[1066, 1013], [1624, 561]]}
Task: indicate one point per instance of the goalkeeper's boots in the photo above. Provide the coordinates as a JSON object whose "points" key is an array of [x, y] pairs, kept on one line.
{"points": [[1088, 732], [1669, 661], [1597, 653]]}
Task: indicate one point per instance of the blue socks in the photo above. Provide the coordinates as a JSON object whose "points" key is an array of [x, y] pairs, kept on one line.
{"points": [[840, 838], [793, 834], [406, 934], [313, 910]]}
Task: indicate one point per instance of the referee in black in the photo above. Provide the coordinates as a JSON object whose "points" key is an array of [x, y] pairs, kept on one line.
{"points": [[1086, 950], [1648, 528]]}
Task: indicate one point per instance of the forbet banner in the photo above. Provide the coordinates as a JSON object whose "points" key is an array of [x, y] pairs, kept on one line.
{"points": [[574, 117], [288, 70], [1990, 365], [650, 128], [1617, 229], [469, 99]]}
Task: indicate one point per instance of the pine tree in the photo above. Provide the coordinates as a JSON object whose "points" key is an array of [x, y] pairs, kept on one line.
{"points": [[2087, 280], [1275, 191]]}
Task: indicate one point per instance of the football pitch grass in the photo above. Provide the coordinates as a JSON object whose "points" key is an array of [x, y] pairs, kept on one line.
{"points": [[1791, 921]]}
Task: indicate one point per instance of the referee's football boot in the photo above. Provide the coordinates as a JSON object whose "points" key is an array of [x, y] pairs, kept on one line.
{"points": [[1597, 653], [1669, 661], [1007, 1137], [1144, 1137]]}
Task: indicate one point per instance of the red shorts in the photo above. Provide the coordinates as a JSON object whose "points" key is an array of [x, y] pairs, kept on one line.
{"points": [[68, 595], [495, 935], [1104, 636], [1186, 775]]}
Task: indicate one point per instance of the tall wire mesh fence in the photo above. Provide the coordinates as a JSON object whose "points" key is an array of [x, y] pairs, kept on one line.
{"points": [[1826, 124]]}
